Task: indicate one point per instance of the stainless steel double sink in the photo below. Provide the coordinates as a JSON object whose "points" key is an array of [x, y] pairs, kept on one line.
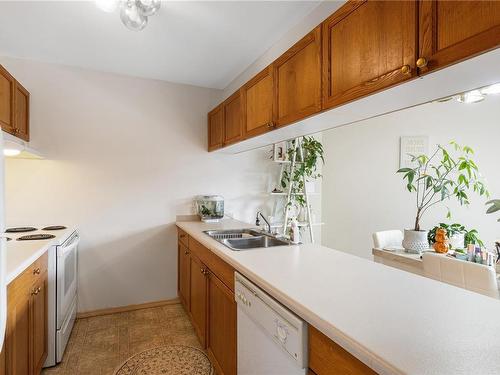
{"points": [[244, 239]]}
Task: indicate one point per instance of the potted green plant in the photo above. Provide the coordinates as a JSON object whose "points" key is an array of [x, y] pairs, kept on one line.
{"points": [[307, 168], [436, 178], [458, 235]]}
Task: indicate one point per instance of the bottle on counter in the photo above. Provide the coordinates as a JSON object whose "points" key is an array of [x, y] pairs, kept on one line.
{"points": [[294, 231]]}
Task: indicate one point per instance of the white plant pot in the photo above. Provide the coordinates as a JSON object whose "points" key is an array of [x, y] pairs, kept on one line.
{"points": [[457, 241], [415, 241]]}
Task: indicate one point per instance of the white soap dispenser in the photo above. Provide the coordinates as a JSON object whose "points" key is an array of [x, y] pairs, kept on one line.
{"points": [[294, 231]]}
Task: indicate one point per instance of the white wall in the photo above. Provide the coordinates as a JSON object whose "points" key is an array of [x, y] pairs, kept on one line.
{"points": [[124, 157], [362, 193], [309, 22]]}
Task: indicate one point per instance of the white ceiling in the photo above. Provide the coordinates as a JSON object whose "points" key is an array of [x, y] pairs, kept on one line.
{"points": [[200, 43]]}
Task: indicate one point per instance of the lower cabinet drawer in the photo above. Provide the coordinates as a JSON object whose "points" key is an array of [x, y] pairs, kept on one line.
{"points": [[216, 265], [328, 358]]}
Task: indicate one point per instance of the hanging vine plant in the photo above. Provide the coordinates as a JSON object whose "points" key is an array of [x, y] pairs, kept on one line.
{"points": [[307, 165]]}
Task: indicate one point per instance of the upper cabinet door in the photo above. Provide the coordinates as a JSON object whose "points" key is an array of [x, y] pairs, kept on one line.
{"points": [[216, 128], [21, 111], [7, 83], [257, 100], [451, 31], [368, 46], [233, 130], [297, 79]]}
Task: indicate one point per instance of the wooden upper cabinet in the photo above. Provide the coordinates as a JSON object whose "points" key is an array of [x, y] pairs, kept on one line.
{"points": [[221, 341], [297, 79], [216, 128], [368, 46], [451, 31], [7, 83], [257, 104], [14, 106], [233, 130], [21, 111]]}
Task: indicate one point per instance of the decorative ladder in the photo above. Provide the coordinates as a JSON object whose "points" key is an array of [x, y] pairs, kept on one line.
{"points": [[293, 164]]}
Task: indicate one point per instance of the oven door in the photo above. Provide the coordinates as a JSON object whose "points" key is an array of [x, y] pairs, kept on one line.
{"points": [[67, 276]]}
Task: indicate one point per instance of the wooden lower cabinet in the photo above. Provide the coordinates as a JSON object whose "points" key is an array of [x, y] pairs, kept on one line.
{"points": [[26, 336], [328, 358], [221, 340], [212, 307], [39, 323], [184, 276], [18, 332], [198, 298]]}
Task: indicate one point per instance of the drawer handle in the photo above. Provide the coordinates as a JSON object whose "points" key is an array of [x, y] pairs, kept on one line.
{"points": [[36, 271], [182, 235], [36, 291]]}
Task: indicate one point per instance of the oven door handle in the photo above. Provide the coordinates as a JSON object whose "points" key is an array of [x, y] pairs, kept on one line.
{"points": [[67, 249]]}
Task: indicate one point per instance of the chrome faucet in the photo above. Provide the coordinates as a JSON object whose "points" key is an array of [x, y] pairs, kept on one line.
{"points": [[257, 221]]}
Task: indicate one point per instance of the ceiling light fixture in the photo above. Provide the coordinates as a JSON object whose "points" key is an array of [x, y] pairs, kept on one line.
{"points": [[107, 6], [12, 148], [473, 96], [491, 90], [133, 13]]}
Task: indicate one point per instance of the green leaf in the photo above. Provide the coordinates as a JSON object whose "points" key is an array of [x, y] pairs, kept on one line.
{"points": [[404, 170]]}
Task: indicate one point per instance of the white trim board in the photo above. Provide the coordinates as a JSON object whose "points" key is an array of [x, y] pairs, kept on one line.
{"points": [[479, 71]]}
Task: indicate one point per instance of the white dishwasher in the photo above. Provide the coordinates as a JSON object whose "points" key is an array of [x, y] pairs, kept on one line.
{"points": [[271, 339]]}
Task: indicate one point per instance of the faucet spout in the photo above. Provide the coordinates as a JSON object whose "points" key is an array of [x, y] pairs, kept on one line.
{"points": [[257, 221]]}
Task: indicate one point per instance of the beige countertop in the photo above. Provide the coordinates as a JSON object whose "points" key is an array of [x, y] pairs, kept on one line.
{"points": [[394, 321], [21, 254]]}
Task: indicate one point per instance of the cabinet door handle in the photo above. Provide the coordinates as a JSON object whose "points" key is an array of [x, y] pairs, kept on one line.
{"points": [[36, 271], [182, 236], [186, 252], [270, 124], [422, 62], [406, 69], [36, 291]]}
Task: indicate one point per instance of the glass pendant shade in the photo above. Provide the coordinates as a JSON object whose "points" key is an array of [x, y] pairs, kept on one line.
{"points": [[132, 17], [148, 7], [473, 96], [107, 6], [493, 89]]}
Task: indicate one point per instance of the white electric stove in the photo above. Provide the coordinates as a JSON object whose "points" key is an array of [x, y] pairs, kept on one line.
{"points": [[62, 281]]}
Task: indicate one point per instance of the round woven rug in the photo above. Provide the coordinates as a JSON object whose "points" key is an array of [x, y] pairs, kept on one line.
{"points": [[168, 360]]}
